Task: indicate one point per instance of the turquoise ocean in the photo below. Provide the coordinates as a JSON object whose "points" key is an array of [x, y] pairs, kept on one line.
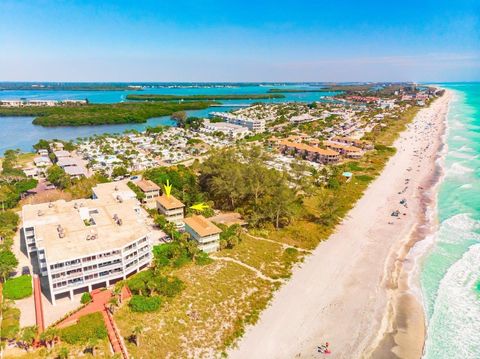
{"points": [[450, 270]]}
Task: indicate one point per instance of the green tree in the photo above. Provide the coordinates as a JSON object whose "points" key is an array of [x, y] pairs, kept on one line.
{"points": [[42, 145], [119, 171], [180, 117], [8, 262], [57, 176], [27, 337], [136, 333], [49, 336]]}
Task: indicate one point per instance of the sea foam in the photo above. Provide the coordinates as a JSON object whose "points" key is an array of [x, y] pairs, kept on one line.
{"points": [[455, 324]]}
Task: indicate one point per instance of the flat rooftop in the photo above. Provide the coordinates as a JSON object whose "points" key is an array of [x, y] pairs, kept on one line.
{"points": [[113, 191], [81, 219]]}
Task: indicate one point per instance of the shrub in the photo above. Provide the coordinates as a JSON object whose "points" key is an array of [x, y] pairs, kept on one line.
{"points": [[202, 259], [88, 327], [147, 282], [291, 251], [142, 304], [168, 287], [18, 288], [86, 298]]}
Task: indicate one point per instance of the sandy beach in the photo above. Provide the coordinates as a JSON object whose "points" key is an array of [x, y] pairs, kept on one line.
{"points": [[354, 290]]}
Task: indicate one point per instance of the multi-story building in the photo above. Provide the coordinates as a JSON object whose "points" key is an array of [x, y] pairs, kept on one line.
{"points": [[254, 125], [171, 208], [204, 232], [345, 150], [308, 152], [228, 129], [89, 243], [150, 189]]}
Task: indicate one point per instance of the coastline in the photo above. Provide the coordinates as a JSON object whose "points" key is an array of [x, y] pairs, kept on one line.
{"points": [[354, 290], [403, 332]]}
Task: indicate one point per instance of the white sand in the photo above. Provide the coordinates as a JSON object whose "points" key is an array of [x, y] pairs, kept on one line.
{"points": [[344, 292]]}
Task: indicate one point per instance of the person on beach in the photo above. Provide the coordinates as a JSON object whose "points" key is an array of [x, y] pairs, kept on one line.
{"points": [[323, 349]]}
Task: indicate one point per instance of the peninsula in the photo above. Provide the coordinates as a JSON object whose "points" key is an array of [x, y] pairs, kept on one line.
{"points": [[100, 114]]}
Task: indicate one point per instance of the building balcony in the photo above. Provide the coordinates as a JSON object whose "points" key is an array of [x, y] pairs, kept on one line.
{"points": [[66, 268]]}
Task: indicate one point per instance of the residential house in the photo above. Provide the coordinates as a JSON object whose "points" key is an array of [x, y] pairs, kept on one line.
{"points": [[204, 232]]}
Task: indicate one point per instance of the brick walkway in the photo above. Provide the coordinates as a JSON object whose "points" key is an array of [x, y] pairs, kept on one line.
{"points": [[99, 303], [99, 299], [37, 296]]}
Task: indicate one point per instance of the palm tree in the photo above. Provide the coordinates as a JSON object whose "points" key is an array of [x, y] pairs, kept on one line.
{"points": [[137, 331], [117, 292], [170, 228], [49, 336], [28, 336], [112, 304]]}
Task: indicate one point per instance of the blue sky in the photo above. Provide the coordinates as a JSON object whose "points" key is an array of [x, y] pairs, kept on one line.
{"points": [[240, 40]]}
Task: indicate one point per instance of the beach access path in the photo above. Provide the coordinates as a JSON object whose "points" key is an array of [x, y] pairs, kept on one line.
{"points": [[342, 291]]}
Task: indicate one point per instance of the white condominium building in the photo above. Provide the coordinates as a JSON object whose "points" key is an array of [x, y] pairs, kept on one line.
{"points": [[228, 129], [253, 125], [88, 243]]}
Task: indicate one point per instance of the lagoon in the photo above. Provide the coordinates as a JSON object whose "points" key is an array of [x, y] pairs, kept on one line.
{"points": [[19, 132]]}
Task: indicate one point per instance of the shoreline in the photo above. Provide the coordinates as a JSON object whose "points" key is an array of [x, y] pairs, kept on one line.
{"points": [[405, 326], [347, 290]]}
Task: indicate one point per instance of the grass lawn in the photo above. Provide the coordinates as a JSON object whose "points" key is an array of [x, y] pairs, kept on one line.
{"points": [[270, 258], [219, 299], [18, 288]]}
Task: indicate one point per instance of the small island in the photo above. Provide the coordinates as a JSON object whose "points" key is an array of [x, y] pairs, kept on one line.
{"points": [[100, 114], [147, 97]]}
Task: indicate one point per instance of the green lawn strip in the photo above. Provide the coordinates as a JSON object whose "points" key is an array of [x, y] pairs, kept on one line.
{"points": [[18, 288]]}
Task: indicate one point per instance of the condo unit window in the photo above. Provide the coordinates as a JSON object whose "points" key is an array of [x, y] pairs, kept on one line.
{"points": [[88, 259]]}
